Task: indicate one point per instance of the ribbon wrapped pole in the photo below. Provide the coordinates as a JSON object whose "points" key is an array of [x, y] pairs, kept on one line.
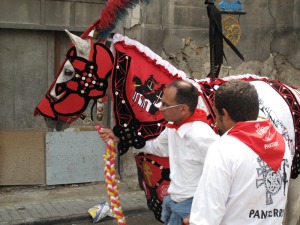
{"points": [[111, 181]]}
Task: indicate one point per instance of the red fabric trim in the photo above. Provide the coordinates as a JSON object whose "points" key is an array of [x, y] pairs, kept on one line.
{"points": [[162, 68], [221, 81]]}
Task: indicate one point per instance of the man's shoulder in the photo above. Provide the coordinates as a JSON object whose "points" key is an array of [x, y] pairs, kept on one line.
{"points": [[200, 125], [226, 141], [199, 129]]}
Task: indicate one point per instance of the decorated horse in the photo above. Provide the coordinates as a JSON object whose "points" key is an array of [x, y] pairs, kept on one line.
{"points": [[137, 78]]}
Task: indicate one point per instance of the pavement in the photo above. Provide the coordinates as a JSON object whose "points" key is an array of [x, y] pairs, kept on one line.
{"points": [[39, 205]]}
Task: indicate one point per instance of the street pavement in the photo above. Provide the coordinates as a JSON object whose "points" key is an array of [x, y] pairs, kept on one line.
{"points": [[64, 204], [146, 218]]}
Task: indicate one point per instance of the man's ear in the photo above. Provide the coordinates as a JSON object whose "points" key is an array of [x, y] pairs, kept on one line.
{"points": [[226, 115], [185, 108]]}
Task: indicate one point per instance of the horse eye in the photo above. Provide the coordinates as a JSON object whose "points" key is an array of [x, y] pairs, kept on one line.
{"points": [[68, 72]]}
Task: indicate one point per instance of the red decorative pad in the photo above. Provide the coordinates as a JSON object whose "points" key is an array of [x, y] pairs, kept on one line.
{"points": [[154, 174], [138, 82], [139, 79]]}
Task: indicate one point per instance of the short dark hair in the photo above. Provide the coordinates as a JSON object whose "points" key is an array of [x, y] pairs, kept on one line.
{"points": [[239, 98], [186, 94]]}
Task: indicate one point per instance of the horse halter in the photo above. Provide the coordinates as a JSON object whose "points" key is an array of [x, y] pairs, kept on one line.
{"points": [[89, 81]]}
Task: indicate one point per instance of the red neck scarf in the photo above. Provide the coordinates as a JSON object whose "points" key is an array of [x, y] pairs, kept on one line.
{"points": [[199, 115], [263, 139]]}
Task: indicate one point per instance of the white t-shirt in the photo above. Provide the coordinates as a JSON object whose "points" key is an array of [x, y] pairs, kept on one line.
{"points": [[236, 187], [186, 148]]}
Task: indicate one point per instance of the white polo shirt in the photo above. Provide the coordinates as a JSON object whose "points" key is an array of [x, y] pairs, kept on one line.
{"points": [[186, 148]]}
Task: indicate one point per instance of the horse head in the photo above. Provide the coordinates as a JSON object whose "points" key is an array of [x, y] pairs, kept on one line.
{"points": [[82, 77]]}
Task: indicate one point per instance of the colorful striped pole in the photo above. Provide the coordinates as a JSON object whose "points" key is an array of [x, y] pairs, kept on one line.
{"points": [[111, 182]]}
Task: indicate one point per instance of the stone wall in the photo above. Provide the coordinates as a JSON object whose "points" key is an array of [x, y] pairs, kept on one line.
{"points": [[178, 31]]}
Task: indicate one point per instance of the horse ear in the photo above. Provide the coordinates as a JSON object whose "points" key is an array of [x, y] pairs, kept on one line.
{"points": [[82, 45]]}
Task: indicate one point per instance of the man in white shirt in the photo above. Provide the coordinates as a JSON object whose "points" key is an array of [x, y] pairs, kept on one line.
{"points": [[185, 141], [246, 172]]}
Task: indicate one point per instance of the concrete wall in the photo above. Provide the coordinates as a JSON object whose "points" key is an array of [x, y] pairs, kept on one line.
{"points": [[23, 80], [76, 15]]}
